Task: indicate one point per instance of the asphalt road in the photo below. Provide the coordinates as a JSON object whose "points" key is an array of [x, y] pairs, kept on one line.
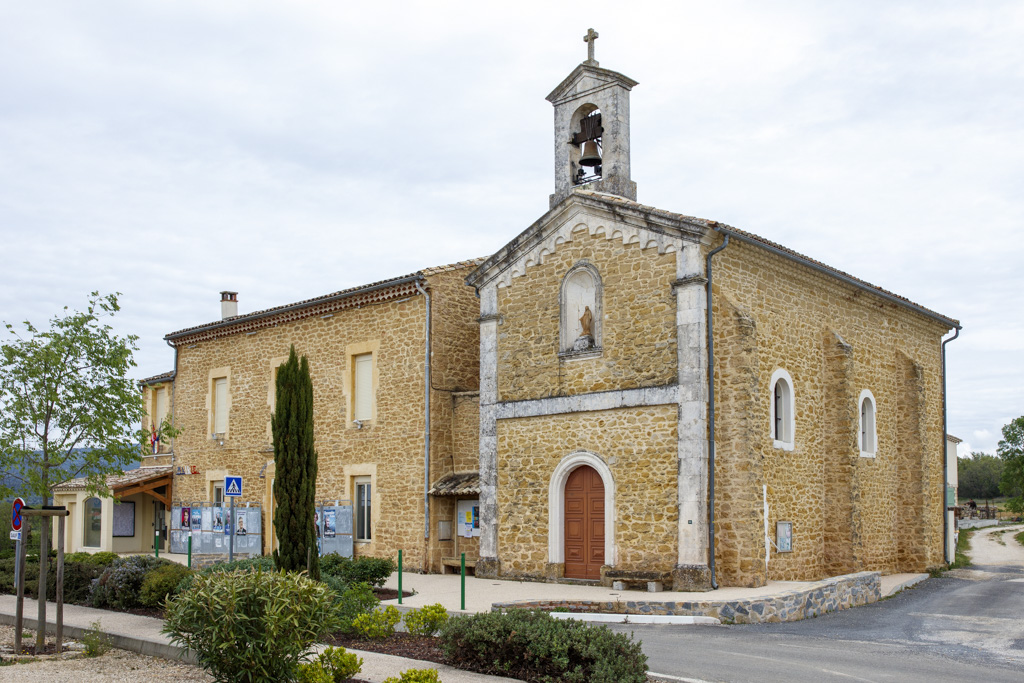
{"points": [[968, 625]]}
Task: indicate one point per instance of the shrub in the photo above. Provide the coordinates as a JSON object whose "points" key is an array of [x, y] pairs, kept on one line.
{"points": [[372, 570], [333, 665], [356, 600], [534, 646], [427, 620], [251, 626], [78, 578], [161, 582], [379, 624], [101, 559], [251, 564], [119, 584], [415, 676]]}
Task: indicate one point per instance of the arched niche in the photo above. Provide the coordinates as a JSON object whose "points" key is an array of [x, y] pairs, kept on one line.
{"points": [[580, 304]]}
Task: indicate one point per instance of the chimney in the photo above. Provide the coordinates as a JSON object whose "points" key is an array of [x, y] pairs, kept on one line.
{"points": [[228, 305]]}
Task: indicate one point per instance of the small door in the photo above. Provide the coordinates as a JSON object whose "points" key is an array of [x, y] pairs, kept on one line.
{"points": [[584, 524], [160, 523]]}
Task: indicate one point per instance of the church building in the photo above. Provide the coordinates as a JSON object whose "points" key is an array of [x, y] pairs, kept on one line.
{"points": [[608, 452], [619, 394]]}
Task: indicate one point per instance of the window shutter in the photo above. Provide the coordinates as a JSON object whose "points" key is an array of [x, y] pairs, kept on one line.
{"points": [[220, 409], [362, 408], [161, 406]]}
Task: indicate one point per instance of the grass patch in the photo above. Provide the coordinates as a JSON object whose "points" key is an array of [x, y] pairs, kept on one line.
{"points": [[963, 543], [1019, 537]]}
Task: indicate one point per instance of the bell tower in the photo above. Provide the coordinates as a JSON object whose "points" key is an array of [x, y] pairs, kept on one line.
{"points": [[592, 129]]}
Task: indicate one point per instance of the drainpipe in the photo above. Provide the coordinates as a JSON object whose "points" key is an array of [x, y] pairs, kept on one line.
{"points": [[174, 391], [711, 420], [426, 426], [945, 458]]}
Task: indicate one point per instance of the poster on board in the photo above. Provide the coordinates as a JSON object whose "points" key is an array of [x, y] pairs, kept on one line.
{"points": [[207, 524], [330, 523], [186, 518], [240, 525], [197, 519], [218, 520]]}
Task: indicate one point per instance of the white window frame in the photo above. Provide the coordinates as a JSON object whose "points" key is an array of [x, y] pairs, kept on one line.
{"points": [[868, 446], [788, 404], [362, 500], [217, 492]]}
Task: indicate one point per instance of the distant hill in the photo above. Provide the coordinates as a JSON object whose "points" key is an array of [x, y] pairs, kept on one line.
{"points": [[13, 482]]}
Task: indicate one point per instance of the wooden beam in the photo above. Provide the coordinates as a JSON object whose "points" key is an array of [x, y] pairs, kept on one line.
{"points": [[144, 487]]}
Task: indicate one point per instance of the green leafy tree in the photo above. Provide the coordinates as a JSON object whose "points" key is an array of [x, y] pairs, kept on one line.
{"points": [[67, 406], [1011, 450], [979, 475], [295, 468]]}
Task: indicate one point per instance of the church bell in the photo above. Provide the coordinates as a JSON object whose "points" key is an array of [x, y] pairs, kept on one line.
{"points": [[590, 156]]}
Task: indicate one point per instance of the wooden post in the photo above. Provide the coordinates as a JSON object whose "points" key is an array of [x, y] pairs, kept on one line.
{"points": [[19, 610], [44, 555], [60, 584]]}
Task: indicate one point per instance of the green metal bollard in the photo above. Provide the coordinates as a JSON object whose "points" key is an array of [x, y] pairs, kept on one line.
{"points": [[463, 582], [156, 544], [399, 577], [190, 551]]}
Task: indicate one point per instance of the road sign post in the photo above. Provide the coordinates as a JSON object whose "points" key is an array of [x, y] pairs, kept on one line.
{"points": [[16, 523], [232, 490]]}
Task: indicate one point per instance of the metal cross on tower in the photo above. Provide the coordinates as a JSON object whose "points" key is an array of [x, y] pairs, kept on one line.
{"points": [[589, 39]]}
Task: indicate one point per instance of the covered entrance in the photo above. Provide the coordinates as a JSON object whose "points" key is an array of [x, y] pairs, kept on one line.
{"points": [[584, 524]]}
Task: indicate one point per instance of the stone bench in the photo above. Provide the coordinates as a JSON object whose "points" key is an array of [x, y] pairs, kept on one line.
{"points": [[456, 564]]}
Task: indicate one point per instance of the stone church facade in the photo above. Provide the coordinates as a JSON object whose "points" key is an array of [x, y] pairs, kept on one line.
{"points": [[565, 403], [599, 455]]}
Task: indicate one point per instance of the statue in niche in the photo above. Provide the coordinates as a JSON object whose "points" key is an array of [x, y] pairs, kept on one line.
{"points": [[586, 339], [580, 310]]}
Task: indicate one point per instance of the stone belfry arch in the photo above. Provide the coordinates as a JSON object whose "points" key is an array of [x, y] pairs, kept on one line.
{"points": [[592, 106]]}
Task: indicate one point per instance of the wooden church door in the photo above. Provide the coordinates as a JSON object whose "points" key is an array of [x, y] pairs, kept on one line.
{"points": [[584, 524]]}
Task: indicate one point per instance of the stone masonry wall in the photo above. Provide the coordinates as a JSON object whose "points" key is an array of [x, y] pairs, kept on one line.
{"points": [[389, 446], [638, 329], [637, 444], [895, 511]]}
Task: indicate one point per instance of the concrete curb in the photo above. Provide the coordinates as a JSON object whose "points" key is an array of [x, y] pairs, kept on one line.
{"points": [[132, 643], [637, 618], [906, 584]]}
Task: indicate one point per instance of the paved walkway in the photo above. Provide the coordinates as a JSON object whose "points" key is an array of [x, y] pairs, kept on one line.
{"points": [[481, 593]]}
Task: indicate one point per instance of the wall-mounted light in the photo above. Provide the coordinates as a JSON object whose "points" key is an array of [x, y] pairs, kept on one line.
{"points": [[358, 424]]}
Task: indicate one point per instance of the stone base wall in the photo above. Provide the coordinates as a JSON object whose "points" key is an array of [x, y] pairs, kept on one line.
{"points": [[830, 595]]}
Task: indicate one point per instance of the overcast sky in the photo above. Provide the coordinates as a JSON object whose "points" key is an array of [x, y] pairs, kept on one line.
{"points": [[169, 150]]}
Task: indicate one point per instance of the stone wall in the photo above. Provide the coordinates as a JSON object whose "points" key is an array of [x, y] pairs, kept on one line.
{"points": [[772, 313], [389, 447], [831, 595], [638, 327], [639, 447]]}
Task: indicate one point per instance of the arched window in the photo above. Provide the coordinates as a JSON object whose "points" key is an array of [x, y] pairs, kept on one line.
{"points": [[782, 409], [581, 310], [868, 435], [92, 534]]}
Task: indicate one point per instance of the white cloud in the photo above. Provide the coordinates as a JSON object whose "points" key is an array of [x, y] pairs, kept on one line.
{"points": [[289, 150]]}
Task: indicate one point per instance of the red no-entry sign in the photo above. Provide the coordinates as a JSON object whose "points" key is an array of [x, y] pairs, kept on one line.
{"points": [[16, 514]]}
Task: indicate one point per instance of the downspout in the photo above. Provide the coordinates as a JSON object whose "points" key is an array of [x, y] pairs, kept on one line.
{"points": [[711, 419], [426, 428], [174, 390], [945, 457]]}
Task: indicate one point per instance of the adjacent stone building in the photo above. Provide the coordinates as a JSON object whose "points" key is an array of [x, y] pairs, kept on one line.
{"points": [[374, 418], [556, 418]]}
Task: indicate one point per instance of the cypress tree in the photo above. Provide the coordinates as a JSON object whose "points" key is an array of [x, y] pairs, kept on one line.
{"points": [[295, 468]]}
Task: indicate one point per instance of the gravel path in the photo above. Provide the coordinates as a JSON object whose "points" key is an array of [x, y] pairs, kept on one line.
{"points": [[116, 665], [985, 550]]}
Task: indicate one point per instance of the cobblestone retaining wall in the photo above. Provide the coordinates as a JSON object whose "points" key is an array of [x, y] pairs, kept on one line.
{"points": [[830, 595]]}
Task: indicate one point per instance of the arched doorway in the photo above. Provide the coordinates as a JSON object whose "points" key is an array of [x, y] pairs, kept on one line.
{"points": [[584, 524]]}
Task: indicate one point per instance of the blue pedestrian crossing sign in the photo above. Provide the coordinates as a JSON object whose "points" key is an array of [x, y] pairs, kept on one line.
{"points": [[232, 486]]}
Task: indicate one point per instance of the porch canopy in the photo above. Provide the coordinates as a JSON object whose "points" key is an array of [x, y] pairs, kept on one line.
{"points": [[153, 481]]}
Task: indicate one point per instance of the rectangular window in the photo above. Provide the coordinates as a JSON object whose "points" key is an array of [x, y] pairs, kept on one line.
{"points": [[218, 492], [364, 505], [362, 387], [220, 405]]}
